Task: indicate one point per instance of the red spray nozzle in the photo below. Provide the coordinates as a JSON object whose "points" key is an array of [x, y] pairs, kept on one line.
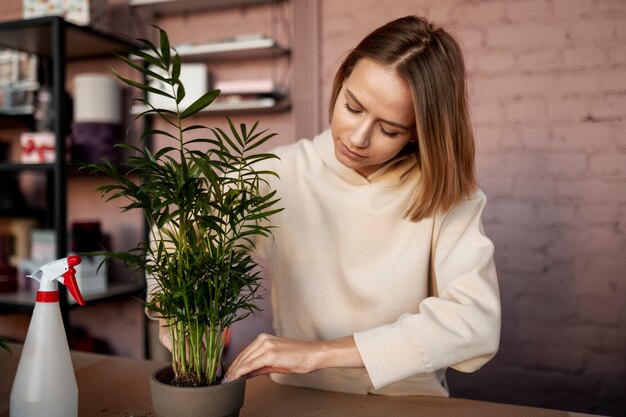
{"points": [[61, 270], [73, 260], [69, 279]]}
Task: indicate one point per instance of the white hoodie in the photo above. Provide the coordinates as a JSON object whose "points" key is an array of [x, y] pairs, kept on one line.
{"points": [[344, 262]]}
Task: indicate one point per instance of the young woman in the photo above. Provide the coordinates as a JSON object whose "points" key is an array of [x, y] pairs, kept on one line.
{"points": [[382, 276]]}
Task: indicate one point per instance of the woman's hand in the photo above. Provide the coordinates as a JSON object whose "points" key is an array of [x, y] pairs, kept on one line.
{"points": [[164, 334], [269, 353]]}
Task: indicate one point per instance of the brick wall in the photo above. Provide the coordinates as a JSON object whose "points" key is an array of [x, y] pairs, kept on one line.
{"points": [[548, 90], [10, 10]]}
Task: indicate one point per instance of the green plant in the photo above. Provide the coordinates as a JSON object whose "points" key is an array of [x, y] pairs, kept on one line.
{"points": [[203, 202], [4, 344]]}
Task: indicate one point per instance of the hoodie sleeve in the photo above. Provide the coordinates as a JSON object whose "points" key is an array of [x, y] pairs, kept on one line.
{"points": [[460, 326]]}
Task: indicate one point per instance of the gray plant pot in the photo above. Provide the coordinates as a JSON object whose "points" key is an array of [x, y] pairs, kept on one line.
{"points": [[224, 400]]}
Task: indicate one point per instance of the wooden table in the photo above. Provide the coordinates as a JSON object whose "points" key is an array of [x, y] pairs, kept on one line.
{"points": [[115, 386]]}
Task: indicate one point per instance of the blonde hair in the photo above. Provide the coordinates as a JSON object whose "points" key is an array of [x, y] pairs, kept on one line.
{"points": [[431, 62]]}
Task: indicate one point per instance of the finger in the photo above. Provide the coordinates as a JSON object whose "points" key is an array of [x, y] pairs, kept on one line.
{"points": [[256, 360], [246, 353], [246, 360], [238, 369]]}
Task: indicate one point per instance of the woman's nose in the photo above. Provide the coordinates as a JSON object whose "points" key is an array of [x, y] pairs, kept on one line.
{"points": [[360, 137]]}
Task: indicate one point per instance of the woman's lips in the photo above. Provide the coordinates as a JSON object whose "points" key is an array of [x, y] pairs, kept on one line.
{"points": [[349, 154]]}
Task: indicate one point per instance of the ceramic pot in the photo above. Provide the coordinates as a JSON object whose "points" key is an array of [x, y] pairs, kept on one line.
{"points": [[223, 400]]}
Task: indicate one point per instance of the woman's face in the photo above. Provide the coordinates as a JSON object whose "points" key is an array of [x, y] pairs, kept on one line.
{"points": [[373, 117]]}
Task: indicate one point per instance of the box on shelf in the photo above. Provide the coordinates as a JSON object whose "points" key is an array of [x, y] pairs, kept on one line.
{"points": [[261, 86], [89, 278], [18, 82], [17, 101], [43, 246], [21, 230], [94, 13], [17, 68], [38, 147], [42, 250]]}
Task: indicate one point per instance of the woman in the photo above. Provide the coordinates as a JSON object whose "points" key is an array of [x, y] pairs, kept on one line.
{"points": [[382, 276]]}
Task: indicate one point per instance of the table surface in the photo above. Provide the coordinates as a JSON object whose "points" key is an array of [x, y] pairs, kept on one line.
{"points": [[116, 386]]}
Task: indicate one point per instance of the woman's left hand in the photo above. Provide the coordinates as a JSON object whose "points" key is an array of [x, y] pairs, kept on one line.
{"points": [[269, 353]]}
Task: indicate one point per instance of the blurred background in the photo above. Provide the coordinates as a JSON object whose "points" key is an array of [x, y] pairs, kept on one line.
{"points": [[547, 87]]}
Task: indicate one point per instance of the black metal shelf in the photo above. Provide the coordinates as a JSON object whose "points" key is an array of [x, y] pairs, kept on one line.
{"points": [[19, 120], [23, 213], [26, 167], [36, 36], [59, 41], [73, 169]]}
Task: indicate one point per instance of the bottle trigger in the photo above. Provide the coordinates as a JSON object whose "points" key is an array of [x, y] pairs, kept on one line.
{"points": [[69, 279]]}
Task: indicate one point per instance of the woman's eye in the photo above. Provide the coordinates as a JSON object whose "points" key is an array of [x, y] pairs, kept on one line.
{"points": [[351, 109], [388, 133]]}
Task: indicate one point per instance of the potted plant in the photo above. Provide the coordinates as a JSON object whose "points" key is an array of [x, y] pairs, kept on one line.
{"points": [[203, 201]]}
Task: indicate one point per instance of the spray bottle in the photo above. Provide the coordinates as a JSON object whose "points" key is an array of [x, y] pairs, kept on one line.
{"points": [[45, 384]]}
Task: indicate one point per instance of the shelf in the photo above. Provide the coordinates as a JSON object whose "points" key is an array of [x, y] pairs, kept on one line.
{"points": [[19, 111], [34, 36], [20, 120], [25, 213], [24, 85], [26, 167], [233, 49], [72, 169], [53, 39], [181, 6], [267, 104]]}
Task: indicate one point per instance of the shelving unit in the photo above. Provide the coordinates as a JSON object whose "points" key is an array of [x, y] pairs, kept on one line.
{"points": [[241, 48], [237, 49], [246, 47], [60, 42]]}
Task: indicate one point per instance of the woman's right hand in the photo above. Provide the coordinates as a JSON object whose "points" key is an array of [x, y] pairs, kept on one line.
{"points": [[273, 354]]}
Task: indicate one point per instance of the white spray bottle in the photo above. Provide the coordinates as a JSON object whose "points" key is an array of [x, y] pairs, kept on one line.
{"points": [[45, 384]]}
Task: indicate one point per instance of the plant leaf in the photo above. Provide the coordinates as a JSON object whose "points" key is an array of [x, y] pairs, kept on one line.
{"points": [[143, 70], [176, 66], [180, 92], [141, 86], [200, 104], [151, 59], [165, 48]]}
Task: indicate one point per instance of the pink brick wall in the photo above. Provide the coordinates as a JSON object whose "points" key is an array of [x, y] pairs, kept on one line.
{"points": [[547, 84]]}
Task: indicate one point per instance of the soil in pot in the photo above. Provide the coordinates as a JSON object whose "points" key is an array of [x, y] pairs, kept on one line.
{"points": [[221, 400]]}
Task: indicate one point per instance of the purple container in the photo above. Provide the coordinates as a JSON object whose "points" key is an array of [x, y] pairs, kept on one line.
{"points": [[93, 141]]}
